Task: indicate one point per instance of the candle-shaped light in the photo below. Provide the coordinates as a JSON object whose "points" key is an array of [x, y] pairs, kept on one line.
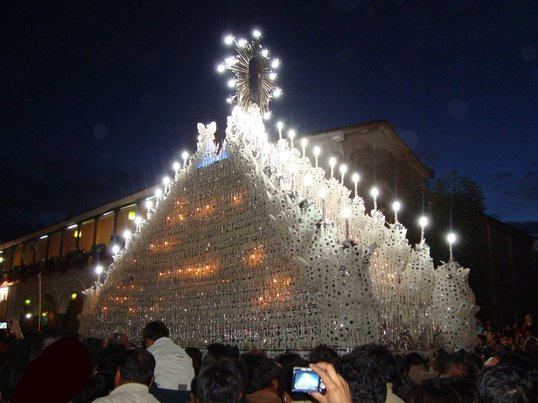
{"points": [[332, 164], [304, 142], [98, 271], [280, 126], [148, 204], [374, 193], [184, 157], [176, 166], [451, 238], [291, 135], [396, 206], [355, 178], [317, 152], [166, 181], [158, 192], [423, 222], [346, 213], [343, 170]]}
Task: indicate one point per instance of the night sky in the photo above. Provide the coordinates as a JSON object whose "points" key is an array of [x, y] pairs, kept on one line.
{"points": [[99, 98]]}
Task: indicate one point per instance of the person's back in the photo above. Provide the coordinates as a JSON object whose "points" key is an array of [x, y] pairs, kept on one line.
{"points": [[132, 379], [173, 370]]}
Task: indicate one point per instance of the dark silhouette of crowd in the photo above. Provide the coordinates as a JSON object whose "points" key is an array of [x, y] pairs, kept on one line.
{"points": [[56, 365]]}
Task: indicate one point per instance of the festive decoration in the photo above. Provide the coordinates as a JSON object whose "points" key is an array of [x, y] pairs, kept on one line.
{"points": [[251, 244]]}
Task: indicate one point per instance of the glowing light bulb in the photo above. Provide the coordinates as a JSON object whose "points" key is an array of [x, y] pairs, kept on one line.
{"points": [[396, 206], [346, 212], [176, 166], [423, 221], [317, 152], [229, 100], [355, 178], [242, 42], [291, 136], [272, 76], [275, 63], [115, 249], [221, 68], [265, 52], [166, 181], [228, 40], [304, 142], [158, 192], [451, 238], [28, 316], [374, 193], [280, 125], [231, 83], [277, 92], [229, 61], [267, 115], [98, 269], [256, 34], [332, 164], [343, 170], [126, 234], [138, 220]]}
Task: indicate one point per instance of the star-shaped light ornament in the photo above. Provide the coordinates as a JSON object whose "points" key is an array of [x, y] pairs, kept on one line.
{"points": [[253, 75]]}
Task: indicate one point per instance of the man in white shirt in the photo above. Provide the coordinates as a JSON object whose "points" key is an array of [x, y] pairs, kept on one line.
{"points": [[173, 370], [132, 379]]}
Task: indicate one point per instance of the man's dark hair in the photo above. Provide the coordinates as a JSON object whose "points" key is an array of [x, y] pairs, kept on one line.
{"points": [[285, 359], [155, 330], [505, 385], [361, 373], [219, 381], [264, 374], [322, 353], [218, 351], [248, 362], [434, 391], [137, 365], [196, 356], [385, 362]]}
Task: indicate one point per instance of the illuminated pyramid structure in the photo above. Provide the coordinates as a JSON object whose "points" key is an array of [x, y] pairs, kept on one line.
{"points": [[251, 245]]}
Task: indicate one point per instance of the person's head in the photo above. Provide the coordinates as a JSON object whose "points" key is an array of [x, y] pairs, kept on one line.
{"points": [[46, 338], [196, 357], [434, 391], [452, 364], [219, 381], [287, 358], [384, 360], [481, 340], [153, 331], [528, 318], [361, 373], [267, 375], [501, 384], [135, 366], [248, 362], [217, 351], [322, 353]]}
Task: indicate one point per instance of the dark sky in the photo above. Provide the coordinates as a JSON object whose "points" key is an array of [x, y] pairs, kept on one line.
{"points": [[99, 98]]}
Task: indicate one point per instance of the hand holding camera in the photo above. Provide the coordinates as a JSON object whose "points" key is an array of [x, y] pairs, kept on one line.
{"points": [[337, 389]]}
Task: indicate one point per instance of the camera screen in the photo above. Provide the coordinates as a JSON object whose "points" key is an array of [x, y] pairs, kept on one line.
{"points": [[305, 380], [3, 325]]}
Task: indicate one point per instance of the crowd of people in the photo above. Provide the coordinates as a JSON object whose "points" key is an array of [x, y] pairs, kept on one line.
{"points": [[58, 366]]}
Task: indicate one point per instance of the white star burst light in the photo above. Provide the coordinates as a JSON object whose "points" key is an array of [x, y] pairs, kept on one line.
{"points": [[253, 78]]}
